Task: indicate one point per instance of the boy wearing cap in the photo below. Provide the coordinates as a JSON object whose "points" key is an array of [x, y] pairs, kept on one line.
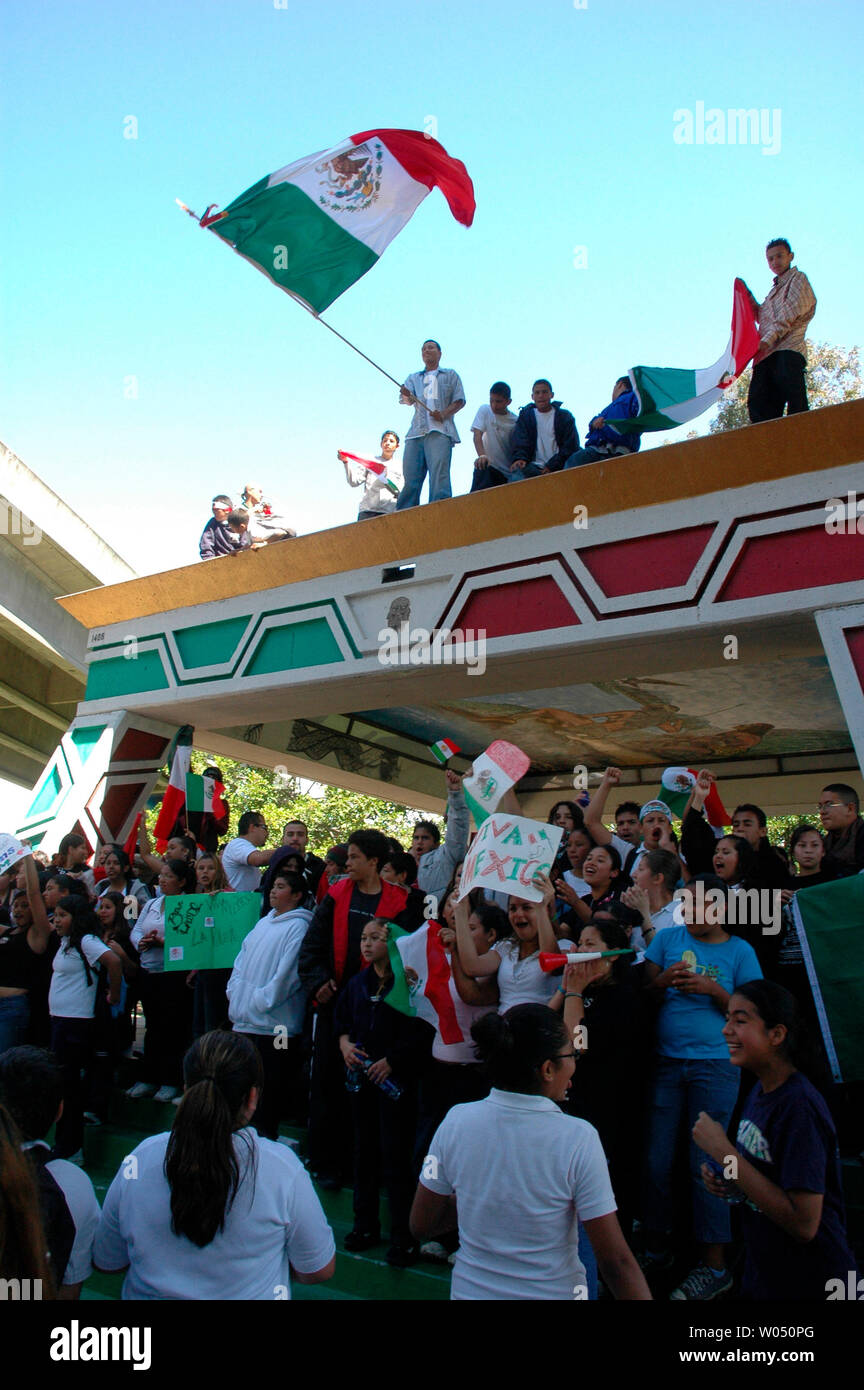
{"points": [[655, 819]]}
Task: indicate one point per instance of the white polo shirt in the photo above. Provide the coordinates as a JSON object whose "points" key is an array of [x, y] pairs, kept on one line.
{"points": [[70, 996], [524, 1175], [522, 981], [243, 877], [273, 1223]]}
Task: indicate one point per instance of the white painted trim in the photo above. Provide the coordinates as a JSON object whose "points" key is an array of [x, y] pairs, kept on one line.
{"points": [[833, 624]]}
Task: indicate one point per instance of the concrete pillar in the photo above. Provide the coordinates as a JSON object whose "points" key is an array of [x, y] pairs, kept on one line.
{"points": [[97, 780], [842, 633]]}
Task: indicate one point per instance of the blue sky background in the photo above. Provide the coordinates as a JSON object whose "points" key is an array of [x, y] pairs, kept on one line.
{"points": [[564, 118]]}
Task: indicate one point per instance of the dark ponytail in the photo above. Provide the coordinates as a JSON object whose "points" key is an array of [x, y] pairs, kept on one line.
{"points": [[219, 1070], [23, 1247], [515, 1045]]}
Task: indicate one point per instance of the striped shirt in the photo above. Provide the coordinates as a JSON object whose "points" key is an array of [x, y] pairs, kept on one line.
{"points": [[785, 314]]}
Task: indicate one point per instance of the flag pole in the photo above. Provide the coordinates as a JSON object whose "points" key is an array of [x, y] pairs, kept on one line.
{"points": [[203, 221], [354, 348]]}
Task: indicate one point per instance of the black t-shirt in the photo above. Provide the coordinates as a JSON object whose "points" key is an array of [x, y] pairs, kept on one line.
{"points": [[789, 1136], [18, 964]]}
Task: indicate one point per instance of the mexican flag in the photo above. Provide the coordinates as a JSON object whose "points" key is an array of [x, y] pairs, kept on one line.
{"points": [[175, 793], [830, 919], [316, 226], [675, 787], [374, 466], [204, 794], [670, 396], [493, 774], [425, 993], [444, 750]]}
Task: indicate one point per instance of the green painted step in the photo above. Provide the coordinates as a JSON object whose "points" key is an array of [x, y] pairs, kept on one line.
{"points": [[365, 1276]]}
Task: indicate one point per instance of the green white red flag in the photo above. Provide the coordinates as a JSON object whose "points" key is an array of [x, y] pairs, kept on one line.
{"points": [[318, 225], [421, 979], [175, 793], [374, 466], [676, 785], [492, 774], [205, 794], [444, 750], [670, 396]]}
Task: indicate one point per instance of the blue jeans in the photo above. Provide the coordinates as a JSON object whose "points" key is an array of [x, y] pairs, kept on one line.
{"points": [[528, 470], [584, 456], [684, 1087], [14, 1017], [429, 454]]}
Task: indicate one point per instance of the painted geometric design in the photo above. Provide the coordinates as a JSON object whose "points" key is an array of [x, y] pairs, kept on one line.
{"points": [[801, 559], [284, 639], [509, 609], [642, 564], [855, 642], [88, 787]]}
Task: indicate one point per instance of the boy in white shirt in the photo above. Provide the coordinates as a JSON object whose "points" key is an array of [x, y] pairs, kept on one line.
{"points": [[491, 429]]}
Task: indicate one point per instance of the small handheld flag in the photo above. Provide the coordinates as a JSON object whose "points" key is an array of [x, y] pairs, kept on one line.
{"points": [[373, 465], [444, 750], [493, 774]]}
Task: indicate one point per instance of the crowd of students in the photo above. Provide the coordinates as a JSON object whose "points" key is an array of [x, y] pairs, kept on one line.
{"points": [[575, 1140]]}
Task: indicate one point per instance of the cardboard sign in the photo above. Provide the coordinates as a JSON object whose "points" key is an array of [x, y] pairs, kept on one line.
{"points": [[506, 853], [493, 774], [204, 931], [11, 851]]}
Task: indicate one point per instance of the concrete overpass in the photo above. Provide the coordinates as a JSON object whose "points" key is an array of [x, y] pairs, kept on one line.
{"points": [[46, 550], [690, 605]]}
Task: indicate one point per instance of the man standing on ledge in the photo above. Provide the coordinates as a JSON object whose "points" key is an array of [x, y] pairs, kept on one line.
{"points": [[436, 394], [779, 365]]}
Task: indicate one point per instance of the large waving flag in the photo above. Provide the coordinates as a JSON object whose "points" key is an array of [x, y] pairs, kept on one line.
{"points": [[175, 793], [421, 979], [670, 396], [316, 226], [829, 919]]}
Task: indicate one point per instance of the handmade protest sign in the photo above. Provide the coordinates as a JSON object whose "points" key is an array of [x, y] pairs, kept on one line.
{"points": [[506, 853], [204, 931], [11, 851], [493, 774]]}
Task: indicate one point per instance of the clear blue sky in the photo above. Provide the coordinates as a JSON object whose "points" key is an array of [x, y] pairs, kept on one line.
{"points": [[564, 118]]}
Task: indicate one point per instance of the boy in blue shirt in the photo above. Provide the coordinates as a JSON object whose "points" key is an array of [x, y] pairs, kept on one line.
{"points": [[602, 441], [697, 966]]}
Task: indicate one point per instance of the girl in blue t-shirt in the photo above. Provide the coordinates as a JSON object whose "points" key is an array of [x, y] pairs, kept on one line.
{"points": [[696, 967], [787, 1169]]}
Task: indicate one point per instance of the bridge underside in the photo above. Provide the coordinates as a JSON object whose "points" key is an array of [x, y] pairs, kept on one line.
{"points": [[688, 606]]}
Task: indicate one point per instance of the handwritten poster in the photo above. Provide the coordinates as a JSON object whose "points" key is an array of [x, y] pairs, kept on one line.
{"points": [[506, 853], [204, 931]]}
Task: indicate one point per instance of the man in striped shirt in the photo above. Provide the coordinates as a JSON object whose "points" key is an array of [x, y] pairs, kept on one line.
{"points": [[778, 367]]}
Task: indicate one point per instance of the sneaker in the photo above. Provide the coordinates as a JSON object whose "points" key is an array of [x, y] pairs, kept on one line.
{"points": [[434, 1250], [401, 1256], [142, 1090], [701, 1285], [361, 1240], [655, 1261], [166, 1093], [90, 1118]]}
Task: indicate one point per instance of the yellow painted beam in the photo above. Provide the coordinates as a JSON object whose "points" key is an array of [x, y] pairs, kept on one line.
{"points": [[817, 440]]}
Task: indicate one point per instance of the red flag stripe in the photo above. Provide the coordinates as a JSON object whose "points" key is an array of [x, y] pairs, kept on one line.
{"points": [[429, 163]]}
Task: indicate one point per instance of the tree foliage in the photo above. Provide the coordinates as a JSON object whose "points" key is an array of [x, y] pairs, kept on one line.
{"points": [[330, 818], [833, 376]]}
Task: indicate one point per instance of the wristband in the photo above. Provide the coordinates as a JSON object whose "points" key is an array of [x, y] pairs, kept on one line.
{"points": [[573, 995]]}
